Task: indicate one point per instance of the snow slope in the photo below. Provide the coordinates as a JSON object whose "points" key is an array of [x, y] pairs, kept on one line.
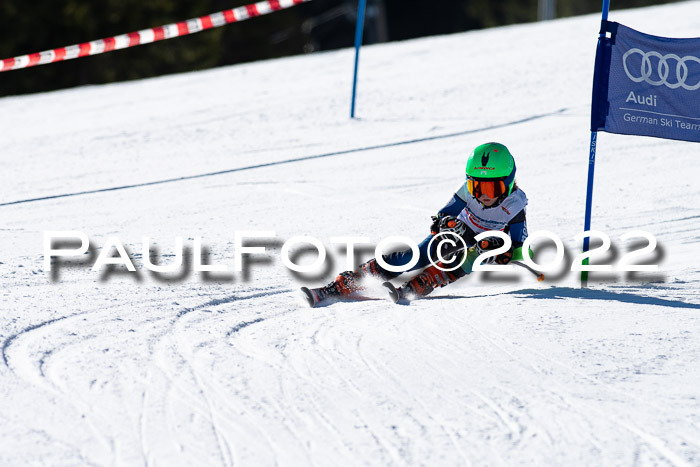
{"points": [[134, 369]]}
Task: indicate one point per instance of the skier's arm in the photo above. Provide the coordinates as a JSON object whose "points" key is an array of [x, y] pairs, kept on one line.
{"points": [[517, 229], [452, 208], [456, 203]]}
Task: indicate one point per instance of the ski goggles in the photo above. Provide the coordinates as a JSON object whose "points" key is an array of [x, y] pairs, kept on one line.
{"points": [[491, 188]]}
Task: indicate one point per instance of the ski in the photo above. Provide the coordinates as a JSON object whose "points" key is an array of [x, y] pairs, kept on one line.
{"points": [[322, 295], [394, 293], [312, 296]]}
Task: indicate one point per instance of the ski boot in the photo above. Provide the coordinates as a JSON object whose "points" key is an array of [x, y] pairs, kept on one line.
{"points": [[372, 269], [423, 284], [346, 283]]}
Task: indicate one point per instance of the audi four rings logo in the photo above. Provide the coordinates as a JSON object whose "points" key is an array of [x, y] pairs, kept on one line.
{"points": [[663, 69]]}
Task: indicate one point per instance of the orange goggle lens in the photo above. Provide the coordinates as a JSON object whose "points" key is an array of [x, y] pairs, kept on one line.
{"points": [[492, 189]]}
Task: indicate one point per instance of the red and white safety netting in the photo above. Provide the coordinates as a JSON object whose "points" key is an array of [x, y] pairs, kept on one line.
{"points": [[147, 36]]}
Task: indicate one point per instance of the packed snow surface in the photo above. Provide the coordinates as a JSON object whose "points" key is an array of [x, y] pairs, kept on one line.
{"points": [[187, 368]]}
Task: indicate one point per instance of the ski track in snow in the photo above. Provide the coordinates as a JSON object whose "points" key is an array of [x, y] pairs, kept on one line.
{"points": [[123, 369]]}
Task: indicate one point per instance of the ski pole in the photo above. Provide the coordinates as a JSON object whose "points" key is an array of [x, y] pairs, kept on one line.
{"points": [[539, 275]]}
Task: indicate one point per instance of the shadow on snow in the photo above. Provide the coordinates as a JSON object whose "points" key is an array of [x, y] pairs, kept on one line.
{"points": [[560, 293]]}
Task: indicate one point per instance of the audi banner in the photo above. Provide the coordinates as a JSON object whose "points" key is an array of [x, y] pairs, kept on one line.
{"points": [[646, 85]]}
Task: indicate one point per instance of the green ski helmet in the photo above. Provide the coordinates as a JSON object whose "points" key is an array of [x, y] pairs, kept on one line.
{"points": [[491, 171]]}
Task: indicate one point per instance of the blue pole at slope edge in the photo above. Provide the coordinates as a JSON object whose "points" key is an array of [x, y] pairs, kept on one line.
{"points": [[591, 170], [359, 27], [589, 202], [606, 9]]}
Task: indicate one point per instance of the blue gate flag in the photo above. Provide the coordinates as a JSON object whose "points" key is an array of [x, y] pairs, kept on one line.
{"points": [[646, 85]]}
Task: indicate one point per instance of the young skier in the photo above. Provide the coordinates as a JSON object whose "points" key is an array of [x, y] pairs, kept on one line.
{"points": [[488, 200]]}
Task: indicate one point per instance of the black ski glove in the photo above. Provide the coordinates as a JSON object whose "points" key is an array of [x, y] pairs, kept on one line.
{"points": [[452, 224], [435, 226], [491, 243]]}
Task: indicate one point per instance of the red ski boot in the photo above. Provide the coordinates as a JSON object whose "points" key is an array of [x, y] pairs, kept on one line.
{"points": [[424, 283]]}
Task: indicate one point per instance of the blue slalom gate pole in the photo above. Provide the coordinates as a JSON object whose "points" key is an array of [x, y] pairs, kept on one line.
{"points": [[589, 202], [359, 27], [591, 170]]}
